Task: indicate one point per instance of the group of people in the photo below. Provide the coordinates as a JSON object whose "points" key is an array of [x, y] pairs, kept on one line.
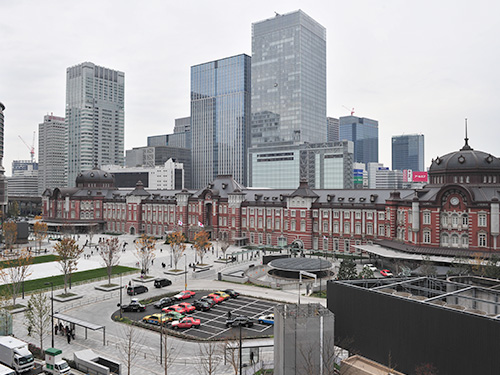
{"points": [[67, 331]]}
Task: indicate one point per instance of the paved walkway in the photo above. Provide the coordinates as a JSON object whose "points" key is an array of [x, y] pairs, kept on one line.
{"points": [[98, 306]]}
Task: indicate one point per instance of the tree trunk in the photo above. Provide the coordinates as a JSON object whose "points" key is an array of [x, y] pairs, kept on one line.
{"points": [[65, 282]]}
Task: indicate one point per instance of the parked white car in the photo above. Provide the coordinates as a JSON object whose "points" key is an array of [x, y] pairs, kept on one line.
{"points": [[371, 266]]}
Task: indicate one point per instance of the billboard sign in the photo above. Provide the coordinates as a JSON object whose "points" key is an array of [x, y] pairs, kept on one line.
{"points": [[420, 177]]}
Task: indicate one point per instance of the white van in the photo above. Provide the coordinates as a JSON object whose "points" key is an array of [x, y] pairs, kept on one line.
{"points": [[4, 370]]}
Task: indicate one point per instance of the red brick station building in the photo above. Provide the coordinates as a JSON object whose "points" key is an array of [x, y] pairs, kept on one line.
{"points": [[457, 213]]}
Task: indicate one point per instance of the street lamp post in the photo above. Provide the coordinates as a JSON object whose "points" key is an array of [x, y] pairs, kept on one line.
{"points": [[240, 358], [121, 290], [185, 272], [52, 308]]}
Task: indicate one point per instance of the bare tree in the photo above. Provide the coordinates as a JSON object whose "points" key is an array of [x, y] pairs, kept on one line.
{"points": [[40, 232], [232, 353], [176, 240], [109, 250], [129, 346], [201, 244], [145, 252], [37, 317], [68, 253], [169, 351], [308, 363], [327, 358], [15, 271], [224, 245], [9, 234], [209, 358], [93, 229]]}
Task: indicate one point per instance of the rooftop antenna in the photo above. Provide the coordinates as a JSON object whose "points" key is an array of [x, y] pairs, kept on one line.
{"points": [[466, 146]]}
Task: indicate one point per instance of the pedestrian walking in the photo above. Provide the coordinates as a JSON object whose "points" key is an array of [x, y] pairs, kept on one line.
{"points": [[68, 337], [56, 327]]}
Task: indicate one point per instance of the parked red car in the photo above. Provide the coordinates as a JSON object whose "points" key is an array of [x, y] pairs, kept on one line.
{"points": [[176, 308], [187, 322], [187, 306], [216, 297], [185, 294]]}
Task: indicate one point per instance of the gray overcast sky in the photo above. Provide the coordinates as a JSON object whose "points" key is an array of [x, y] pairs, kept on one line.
{"points": [[415, 66]]}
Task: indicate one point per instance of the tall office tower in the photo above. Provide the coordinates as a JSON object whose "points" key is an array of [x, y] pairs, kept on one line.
{"points": [[408, 152], [288, 80], [3, 192], [220, 119], [332, 129], [52, 153], [95, 117], [364, 133]]}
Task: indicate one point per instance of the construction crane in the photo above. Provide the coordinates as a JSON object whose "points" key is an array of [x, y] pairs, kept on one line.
{"points": [[350, 110], [31, 148]]}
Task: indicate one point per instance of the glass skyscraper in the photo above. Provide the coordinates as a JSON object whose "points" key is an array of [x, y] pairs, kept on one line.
{"points": [[95, 117], [364, 133], [288, 80], [408, 152], [220, 119]]}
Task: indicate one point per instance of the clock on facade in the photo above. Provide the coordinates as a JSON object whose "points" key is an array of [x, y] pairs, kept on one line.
{"points": [[454, 201]]}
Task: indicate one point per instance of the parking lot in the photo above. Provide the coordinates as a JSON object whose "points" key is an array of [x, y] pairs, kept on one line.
{"points": [[213, 322]]}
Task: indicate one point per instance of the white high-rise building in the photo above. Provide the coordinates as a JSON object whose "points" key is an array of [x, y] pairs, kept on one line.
{"points": [[95, 117], [3, 187], [52, 153]]}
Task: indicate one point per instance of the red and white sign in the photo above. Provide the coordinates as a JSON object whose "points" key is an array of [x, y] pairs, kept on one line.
{"points": [[420, 177]]}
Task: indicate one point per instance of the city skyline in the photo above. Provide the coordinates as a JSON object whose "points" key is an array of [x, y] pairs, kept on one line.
{"points": [[380, 61]]}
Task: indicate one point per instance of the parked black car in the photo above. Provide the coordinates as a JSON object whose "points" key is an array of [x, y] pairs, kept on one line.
{"points": [[164, 302], [208, 300], [160, 283], [201, 305], [136, 289], [134, 306], [239, 320], [233, 293]]}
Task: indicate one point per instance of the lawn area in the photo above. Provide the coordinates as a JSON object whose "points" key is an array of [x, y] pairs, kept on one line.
{"points": [[31, 285], [36, 260]]}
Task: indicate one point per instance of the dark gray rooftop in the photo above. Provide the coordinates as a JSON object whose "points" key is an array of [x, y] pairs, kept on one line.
{"points": [[300, 264]]}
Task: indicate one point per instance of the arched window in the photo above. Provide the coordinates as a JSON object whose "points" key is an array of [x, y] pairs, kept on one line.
{"points": [[454, 240], [454, 220], [444, 239], [465, 241], [482, 240], [465, 219], [427, 236], [444, 219]]}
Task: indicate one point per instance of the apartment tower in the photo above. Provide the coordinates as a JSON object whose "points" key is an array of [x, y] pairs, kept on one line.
{"points": [[95, 117], [52, 153]]}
